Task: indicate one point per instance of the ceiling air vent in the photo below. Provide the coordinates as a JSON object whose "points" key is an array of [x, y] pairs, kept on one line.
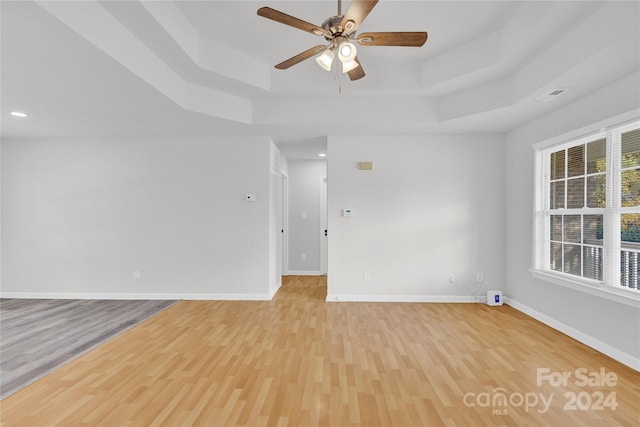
{"points": [[551, 95]]}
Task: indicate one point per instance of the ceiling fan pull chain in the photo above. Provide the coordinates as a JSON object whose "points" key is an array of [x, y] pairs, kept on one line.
{"points": [[337, 77]]}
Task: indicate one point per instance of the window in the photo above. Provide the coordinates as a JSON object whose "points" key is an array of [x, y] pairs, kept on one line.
{"points": [[587, 219], [577, 198]]}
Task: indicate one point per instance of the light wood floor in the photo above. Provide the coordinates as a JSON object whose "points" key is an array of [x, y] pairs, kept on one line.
{"points": [[299, 361]]}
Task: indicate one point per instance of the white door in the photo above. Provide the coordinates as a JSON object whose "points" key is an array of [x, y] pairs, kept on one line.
{"points": [[324, 232]]}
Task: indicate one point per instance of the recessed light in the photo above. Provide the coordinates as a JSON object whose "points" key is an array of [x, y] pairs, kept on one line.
{"points": [[322, 155], [18, 114]]}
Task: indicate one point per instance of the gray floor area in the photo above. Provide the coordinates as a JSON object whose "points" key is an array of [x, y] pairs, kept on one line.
{"points": [[38, 336]]}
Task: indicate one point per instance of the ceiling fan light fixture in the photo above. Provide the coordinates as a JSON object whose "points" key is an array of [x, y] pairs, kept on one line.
{"points": [[349, 65], [340, 32], [346, 51], [326, 59]]}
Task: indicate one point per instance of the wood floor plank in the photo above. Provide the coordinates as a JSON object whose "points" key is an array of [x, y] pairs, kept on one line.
{"points": [[300, 361]]}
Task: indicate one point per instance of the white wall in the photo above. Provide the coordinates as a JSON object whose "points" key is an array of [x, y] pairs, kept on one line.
{"points": [[304, 200], [610, 327], [79, 216], [432, 205]]}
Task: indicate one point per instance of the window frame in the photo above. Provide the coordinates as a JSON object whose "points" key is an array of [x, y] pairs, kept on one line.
{"points": [[608, 287]]}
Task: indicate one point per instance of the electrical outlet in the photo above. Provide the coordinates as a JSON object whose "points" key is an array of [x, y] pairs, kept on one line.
{"points": [[136, 275], [303, 257], [452, 278], [479, 277], [366, 276]]}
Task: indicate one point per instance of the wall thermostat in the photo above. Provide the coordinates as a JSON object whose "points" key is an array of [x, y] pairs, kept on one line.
{"points": [[347, 212]]}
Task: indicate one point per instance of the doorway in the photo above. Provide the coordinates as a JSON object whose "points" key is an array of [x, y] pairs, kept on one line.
{"points": [[304, 218]]}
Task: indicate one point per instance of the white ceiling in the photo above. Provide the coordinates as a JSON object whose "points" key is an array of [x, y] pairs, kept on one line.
{"points": [[200, 68]]}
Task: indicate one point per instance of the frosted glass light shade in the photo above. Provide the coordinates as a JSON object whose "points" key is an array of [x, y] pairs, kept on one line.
{"points": [[347, 51], [326, 59], [348, 66]]}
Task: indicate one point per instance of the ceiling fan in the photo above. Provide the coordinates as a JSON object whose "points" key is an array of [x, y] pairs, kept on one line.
{"points": [[340, 32]]}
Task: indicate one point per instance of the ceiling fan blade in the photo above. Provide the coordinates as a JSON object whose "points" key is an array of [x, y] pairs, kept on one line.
{"points": [[356, 13], [358, 72], [300, 57], [411, 39], [292, 21]]}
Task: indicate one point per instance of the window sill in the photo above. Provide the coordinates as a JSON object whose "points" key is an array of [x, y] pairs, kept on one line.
{"points": [[620, 295]]}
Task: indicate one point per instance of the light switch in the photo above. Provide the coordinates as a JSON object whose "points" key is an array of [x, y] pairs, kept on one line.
{"points": [[347, 212], [250, 197]]}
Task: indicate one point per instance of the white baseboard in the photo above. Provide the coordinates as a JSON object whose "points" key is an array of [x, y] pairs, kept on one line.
{"points": [[622, 357], [155, 296], [400, 298], [304, 273], [275, 290]]}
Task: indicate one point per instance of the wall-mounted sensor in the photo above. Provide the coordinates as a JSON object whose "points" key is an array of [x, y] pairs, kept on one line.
{"points": [[347, 212], [494, 298]]}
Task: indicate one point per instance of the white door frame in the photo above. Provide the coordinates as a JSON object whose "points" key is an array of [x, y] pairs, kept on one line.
{"points": [[323, 227], [285, 223]]}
